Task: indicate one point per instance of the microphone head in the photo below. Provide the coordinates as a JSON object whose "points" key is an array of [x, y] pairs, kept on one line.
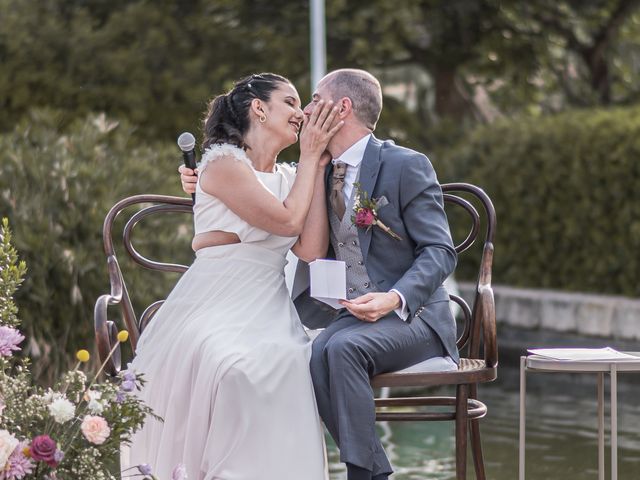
{"points": [[186, 142]]}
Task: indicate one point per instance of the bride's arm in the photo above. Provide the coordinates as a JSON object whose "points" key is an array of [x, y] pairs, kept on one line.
{"points": [[314, 239], [236, 185]]}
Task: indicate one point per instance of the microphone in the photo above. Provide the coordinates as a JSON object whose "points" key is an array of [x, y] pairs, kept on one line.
{"points": [[187, 143]]}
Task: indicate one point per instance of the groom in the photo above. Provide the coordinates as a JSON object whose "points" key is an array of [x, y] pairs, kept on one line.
{"points": [[397, 313]]}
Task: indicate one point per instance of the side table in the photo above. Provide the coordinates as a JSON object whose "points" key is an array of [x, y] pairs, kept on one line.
{"points": [[535, 363]]}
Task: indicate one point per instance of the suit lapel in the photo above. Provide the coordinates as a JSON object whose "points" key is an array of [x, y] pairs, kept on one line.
{"points": [[368, 175]]}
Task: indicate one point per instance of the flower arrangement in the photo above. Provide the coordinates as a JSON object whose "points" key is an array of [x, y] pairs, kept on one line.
{"points": [[365, 212], [73, 430]]}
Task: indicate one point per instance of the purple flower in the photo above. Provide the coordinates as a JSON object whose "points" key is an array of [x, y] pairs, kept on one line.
{"points": [[9, 340], [43, 448], [129, 376], [19, 465], [128, 386], [179, 473], [145, 469], [58, 456], [120, 396]]}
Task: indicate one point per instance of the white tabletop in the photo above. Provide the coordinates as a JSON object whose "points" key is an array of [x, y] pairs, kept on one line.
{"points": [[536, 362]]}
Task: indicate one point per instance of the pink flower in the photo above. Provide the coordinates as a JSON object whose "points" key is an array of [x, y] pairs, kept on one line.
{"points": [[95, 429], [19, 465], [365, 218], [9, 340], [179, 473], [43, 448]]}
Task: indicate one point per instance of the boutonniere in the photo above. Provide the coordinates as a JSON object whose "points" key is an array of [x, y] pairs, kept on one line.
{"points": [[365, 212]]}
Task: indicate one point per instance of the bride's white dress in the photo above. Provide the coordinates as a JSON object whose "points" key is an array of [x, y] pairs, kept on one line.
{"points": [[226, 359]]}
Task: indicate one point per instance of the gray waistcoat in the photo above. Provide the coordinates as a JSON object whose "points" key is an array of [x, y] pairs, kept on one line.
{"points": [[344, 240]]}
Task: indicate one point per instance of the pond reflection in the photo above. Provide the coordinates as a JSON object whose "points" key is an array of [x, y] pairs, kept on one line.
{"points": [[561, 432]]}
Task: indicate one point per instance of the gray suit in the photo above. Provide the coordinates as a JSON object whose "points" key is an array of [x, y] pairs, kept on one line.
{"points": [[348, 352]]}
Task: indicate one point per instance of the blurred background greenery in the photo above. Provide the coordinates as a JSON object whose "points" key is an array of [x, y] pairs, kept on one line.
{"points": [[534, 101]]}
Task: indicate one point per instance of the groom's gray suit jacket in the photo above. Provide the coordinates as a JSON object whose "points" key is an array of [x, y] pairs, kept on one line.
{"points": [[418, 264]]}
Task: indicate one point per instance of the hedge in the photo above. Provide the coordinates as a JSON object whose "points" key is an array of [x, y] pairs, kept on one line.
{"points": [[57, 183], [567, 194]]}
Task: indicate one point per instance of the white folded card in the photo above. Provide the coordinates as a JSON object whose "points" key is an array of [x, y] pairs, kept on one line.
{"points": [[584, 354], [328, 281]]}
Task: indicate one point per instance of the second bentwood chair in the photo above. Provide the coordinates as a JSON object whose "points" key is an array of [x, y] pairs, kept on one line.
{"points": [[477, 343]]}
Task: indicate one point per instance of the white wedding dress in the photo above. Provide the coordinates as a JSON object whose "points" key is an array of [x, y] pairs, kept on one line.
{"points": [[226, 359]]}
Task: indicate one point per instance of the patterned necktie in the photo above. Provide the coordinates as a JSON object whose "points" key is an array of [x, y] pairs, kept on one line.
{"points": [[336, 198]]}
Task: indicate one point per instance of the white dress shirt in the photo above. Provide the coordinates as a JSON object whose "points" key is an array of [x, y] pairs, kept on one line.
{"points": [[352, 158]]}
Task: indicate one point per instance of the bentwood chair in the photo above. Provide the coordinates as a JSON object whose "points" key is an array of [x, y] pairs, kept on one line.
{"points": [[478, 334], [106, 330], [477, 342]]}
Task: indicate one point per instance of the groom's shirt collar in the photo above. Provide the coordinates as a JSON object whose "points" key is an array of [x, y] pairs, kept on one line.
{"points": [[355, 153]]}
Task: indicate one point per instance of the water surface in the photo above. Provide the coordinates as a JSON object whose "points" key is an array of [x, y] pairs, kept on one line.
{"points": [[561, 432]]}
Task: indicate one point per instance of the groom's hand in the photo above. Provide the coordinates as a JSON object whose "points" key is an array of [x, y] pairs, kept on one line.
{"points": [[189, 178], [372, 306]]}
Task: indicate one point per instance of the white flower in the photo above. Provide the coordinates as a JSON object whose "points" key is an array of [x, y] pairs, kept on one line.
{"points": [[94, 405], [49, 396], [62, 410], [8, 444]]}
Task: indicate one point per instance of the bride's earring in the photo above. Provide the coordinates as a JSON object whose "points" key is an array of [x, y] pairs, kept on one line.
{"points": [[263, 118]]}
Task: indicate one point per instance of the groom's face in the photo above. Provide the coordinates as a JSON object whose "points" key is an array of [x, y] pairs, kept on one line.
{"points": [[321, 93]]}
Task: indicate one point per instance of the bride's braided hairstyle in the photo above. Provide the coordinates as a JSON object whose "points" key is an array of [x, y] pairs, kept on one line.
{"points": [[227, 119]]}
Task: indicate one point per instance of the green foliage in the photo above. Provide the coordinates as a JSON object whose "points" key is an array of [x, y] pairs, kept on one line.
{"points": [[12, 274], [566, 193], [155, 64], [56, 186]]}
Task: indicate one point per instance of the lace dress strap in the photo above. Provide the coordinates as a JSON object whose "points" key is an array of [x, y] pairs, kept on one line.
{"points": [[219, 150]]}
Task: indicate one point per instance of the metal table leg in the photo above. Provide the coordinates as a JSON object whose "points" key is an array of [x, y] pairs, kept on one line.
{"points": [[614, 421], [523, 402], [601, 426]]}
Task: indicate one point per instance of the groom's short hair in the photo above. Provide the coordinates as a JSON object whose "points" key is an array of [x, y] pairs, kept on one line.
{"points": [[362, 88]]}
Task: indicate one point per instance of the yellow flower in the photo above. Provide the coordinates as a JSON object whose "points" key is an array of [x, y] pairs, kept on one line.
{"points": [[123, 336], [83, 356]]}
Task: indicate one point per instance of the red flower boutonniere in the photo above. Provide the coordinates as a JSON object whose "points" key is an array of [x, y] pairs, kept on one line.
{"points": [[365, 212]]}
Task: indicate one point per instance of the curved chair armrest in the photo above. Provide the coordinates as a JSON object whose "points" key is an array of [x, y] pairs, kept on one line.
{"points": [[487, 313], [106, 330], [487, 308]]}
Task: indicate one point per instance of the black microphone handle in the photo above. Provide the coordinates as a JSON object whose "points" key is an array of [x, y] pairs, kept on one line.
{"points": [[189, 159]]}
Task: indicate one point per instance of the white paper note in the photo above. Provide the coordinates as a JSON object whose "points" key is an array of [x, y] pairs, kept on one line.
{"points": [[328, 281], [584, 354]]}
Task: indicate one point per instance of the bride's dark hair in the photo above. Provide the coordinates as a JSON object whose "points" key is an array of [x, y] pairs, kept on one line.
{"points": [[227, 118]]}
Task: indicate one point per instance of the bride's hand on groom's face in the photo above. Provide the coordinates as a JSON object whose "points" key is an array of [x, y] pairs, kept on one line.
{"points": [[372, 306], [318, 129]]}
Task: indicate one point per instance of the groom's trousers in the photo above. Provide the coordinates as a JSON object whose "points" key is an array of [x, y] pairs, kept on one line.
{"points": [[345, 356]]}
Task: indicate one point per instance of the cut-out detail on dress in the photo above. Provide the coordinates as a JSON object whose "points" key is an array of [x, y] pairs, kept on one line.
{"points": [[219, 150]]}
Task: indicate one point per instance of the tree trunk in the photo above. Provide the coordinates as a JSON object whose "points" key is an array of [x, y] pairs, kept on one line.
{"points": [[450, 100]]}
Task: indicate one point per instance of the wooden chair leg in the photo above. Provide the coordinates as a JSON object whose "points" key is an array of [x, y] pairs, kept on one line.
{"points": [[476, 444], [476, 449], [462, 394]]}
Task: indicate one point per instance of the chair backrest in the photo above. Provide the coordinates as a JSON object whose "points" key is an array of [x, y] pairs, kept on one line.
{"points": [[476, 319], [106, 330], [479, 327]]}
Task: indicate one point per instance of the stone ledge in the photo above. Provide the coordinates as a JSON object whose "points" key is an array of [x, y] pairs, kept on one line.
{"points": [[581, 313]]}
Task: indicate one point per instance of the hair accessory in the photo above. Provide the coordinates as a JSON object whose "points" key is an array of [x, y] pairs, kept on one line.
{"points": [[249, 86]]}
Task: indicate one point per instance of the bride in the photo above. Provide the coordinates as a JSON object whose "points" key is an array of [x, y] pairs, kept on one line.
{"points": [[225, 358]]}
